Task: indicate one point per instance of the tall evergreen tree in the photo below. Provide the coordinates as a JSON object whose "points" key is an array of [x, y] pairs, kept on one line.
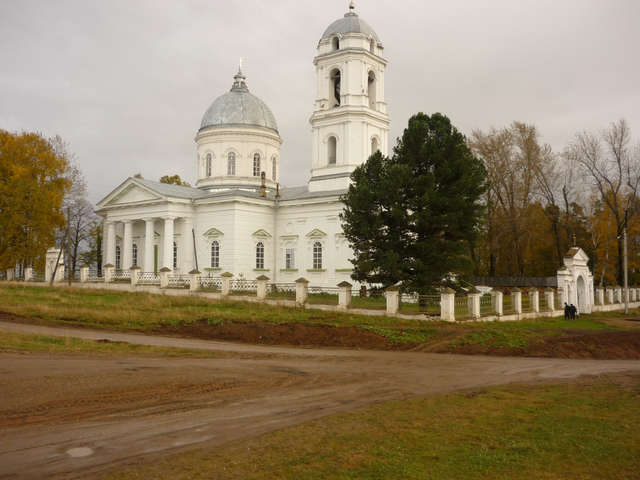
{"points": [[412, 216]]}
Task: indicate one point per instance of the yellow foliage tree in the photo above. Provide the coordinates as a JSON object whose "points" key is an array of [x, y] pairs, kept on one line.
{"points": [[32, 188]]}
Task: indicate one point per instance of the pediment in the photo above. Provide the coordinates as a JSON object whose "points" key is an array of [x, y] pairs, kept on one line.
{"points": [[316, 233], [576, 256], [261, 234], [213, 233], [130, 193]]}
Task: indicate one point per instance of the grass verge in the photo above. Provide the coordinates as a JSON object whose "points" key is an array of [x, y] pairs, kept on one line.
{"points": [[143, 312], [585, 430], [18, 342]]}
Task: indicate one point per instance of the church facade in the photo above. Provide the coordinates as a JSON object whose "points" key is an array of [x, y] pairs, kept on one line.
{"points": [[237, 218]]}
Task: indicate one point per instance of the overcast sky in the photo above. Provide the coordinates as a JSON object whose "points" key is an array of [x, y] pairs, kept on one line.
{"points": [[126, 82]]}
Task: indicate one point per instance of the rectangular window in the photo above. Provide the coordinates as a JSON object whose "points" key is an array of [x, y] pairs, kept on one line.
{"points": [[260, 256], [175, 256], [290, 258], [215, 254], [317, 256]]}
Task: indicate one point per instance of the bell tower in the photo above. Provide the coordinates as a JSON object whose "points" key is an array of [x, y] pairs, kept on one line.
{"points": [[350, 120]]}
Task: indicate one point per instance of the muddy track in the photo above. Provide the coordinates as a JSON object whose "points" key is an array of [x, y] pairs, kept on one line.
{"points": [[121, 410]]}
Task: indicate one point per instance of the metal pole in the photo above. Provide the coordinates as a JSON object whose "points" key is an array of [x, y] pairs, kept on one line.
{"points": [[626, 274], [195, 254]]}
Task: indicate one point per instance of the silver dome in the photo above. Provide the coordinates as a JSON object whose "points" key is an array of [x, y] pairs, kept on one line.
{"points": [[239, 107], [351, 23]]}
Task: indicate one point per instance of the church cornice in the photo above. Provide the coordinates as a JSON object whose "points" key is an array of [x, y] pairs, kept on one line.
{"points": [[351, 53], [241, 132], [351, 113]]}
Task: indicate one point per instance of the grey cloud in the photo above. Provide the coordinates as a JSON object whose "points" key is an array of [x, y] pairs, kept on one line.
{"points": [[127, 82]]}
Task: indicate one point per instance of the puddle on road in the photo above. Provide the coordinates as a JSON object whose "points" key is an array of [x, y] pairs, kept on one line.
{"points": [[80, 452]]}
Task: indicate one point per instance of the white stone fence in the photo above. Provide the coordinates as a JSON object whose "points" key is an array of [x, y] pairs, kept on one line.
{"points": [[447, 305]]}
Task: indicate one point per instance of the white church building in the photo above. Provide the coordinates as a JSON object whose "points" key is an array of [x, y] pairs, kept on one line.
{"points": [[238, 218]]}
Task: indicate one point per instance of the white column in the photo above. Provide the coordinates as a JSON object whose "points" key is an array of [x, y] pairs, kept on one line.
{"points": [[187, 263], [448, 305], [516, 298], [167, 260], [148, 244], [550, 298], [302, 291], [473, 299], [599, 296], [127, 246], [392, 295], [344, 295], [534, 297], [111, 243]]}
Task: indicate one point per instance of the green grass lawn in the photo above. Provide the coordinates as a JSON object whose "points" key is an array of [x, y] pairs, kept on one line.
{"points": [[586, 431], [145, 312]]}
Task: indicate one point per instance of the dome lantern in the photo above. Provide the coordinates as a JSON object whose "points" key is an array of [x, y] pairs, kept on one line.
{"points": [[239, 107]]}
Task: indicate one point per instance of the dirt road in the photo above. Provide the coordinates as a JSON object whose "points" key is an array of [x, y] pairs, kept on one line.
{"points": [[69, 416]]}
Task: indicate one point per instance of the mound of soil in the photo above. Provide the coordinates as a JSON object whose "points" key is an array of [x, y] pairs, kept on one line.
{"points": [[608, 345], [298, 334]]}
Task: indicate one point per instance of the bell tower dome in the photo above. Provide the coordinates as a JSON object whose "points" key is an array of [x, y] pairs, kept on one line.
{"points": [[350, 120]]}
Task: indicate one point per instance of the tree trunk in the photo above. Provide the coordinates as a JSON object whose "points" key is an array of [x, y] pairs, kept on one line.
{"points": [[620, 272]]}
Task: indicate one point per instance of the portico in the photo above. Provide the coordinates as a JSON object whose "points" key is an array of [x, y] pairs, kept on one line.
{"points": [[158, 242]]}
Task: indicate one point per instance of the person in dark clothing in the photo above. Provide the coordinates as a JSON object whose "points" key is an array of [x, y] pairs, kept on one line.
{"points": [[574, 311], [567, 312]]}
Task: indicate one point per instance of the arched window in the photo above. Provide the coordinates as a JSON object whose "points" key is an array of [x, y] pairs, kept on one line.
{"points": [[117, 257], [372, 46], [208, 166], [231, 163], [335, 87], [260, 256], [215, 254], [274, 170], [335, 43], [175, 255], [372, 90], [374, 145], [134, 255], [256, 165], [332, 147], [317, 256]]}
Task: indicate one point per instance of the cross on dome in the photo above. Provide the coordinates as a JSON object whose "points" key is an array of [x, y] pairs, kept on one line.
{"points": [[239, 83]]}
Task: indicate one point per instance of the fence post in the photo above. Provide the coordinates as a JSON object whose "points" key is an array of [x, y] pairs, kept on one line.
{"points": [[84, 273], [344, 295], [302, 291], [473, 299], [550, 299], [632, 295], [226, 283], [194, 284], [516, 296], [534, 297], [448, 305], [392, 296], [28, 274], [107, 270], [135, 275], [497, 300], [618, 294], [261, 291], [610, 295], [163, 273], [599, 296], [10, 273]]}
